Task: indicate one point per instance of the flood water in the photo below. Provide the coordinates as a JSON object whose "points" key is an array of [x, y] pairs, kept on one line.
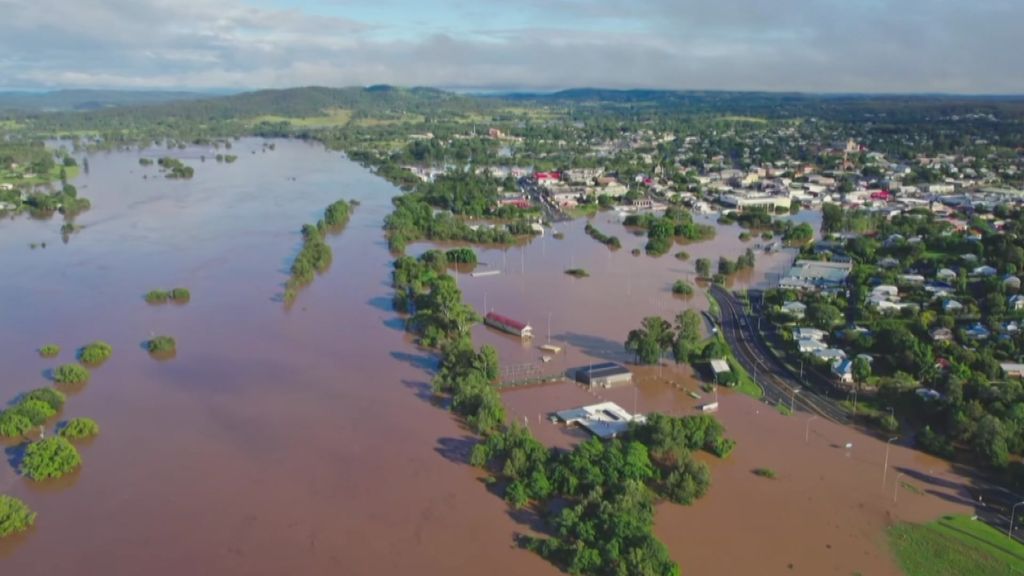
{"points": [[303, 440]]}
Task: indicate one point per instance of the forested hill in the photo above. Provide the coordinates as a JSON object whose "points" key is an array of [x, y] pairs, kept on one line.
{"points": [[67, 100]]}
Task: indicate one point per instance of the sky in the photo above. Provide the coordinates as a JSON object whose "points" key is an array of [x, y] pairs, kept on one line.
{"points": [[949, 46]]}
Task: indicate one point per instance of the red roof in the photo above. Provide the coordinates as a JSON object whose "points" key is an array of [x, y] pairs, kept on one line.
{"points": [[505, 321], [547, 176]]}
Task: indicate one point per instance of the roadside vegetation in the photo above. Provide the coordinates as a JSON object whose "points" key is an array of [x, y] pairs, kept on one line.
{"points": [[955, 546]]}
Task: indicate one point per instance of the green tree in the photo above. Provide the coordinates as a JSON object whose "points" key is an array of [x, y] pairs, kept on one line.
{"points": [[861, 369], [703, 267], [50, 458], [651, 340], [15, 516], [990, 441], [70, 374], [77, 428]]}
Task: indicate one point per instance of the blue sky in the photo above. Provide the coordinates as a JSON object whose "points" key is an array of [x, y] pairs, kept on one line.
{"points": [[803, 45]]}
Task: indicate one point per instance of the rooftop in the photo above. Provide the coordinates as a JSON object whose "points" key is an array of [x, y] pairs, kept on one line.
{"points": [[604, 420]]}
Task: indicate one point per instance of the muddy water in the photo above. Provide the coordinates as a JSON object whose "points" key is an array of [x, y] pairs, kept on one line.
{"points": [[275, 442], [303, 441]]}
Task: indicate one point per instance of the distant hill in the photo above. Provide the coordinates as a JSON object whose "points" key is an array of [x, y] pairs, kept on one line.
{"points": [[68, 100]]}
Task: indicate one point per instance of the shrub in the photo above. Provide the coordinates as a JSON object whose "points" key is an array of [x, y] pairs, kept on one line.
{"points": [[77, 428], [682, 255], [95, 352], [635, 251], [35, 411], [745, 236], [13, 424], [50, 458], [54, 398], [161, 344], [577, 272], [15, 516], [71, 374], [181, 294], [157, 296], [764, 472], [49, 351], [682, 288]]}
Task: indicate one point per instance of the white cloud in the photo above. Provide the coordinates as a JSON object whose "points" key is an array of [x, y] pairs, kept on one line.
{"points": [[810, 45]]}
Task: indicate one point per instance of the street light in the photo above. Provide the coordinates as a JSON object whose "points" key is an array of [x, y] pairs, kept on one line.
{"points": [[1009, 530], [896, 490], [885, 465], [807, 429]]}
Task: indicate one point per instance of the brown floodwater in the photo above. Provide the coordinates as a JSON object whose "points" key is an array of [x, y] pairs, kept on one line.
{"points": [[304, 441]]}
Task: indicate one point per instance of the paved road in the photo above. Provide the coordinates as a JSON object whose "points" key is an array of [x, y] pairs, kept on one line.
{"points": [[753, 354]]}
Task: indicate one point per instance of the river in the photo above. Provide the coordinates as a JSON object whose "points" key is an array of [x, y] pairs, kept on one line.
{"points": [[304, 441]]}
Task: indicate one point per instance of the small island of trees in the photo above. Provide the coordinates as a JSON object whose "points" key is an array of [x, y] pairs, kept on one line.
{"points": [[50, 458], [161, 345], [175, 169], [316, 255], [178, 295], [609, 241], [31, 409], [71, 374], [676, 224], [577, 273], [49, 351], [682, 288], [15, 516], [79, 428], [95, 352]]}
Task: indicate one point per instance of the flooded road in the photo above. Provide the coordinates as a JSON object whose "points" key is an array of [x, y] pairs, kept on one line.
{"points": [[303, 441]]}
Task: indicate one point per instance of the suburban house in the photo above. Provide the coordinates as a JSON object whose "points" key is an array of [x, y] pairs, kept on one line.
{"points": [[807, 345], [984, 271], [843, 370], [1017, 302], [830, 355], [952, 306], [977, 332], [809, 334], [942, 335], [795, 309]]}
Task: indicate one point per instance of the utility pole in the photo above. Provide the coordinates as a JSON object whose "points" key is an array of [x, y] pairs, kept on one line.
{"points": [[885, 464]]}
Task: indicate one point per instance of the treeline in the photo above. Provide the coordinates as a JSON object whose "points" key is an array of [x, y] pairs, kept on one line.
{"points": [[676, 224], [609, 241], [315, 256], [414, 219], [608, 490], [726, 267]]}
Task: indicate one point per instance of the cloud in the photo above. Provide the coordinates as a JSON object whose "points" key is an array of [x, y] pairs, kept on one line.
{"points": [[806, 45]]}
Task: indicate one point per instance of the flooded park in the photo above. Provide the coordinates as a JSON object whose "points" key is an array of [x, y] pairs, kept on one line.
{"points": [[304, 439]]}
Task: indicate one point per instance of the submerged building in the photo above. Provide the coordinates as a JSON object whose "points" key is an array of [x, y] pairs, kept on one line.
{"points": [[604, 375], [605, 420], [506, 324]]}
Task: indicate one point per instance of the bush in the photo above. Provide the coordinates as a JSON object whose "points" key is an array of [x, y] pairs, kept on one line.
{"points": [[95, 352], [35, 411], [745, 236], [53, 398], [15, 516], [577, 272], [71, 374], [157, 296], [181, 294], [50, 458], [77, 428], [682, 255], [764, 472], [682, 288], [49, 351], [161, 344], [13, 424]]}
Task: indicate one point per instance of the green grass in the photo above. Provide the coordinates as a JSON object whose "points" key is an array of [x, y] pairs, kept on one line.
{"points": [[582, 210], [332, 118], [955, 546], [745, 384]]}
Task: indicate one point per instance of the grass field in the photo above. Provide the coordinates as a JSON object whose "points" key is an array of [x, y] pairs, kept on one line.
{"points": [[7, 176], [332, 118], [955, 546]]}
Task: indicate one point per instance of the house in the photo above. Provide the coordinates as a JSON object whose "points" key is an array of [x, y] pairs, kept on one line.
{"points": [[719, 368], [1011, 282], [813, 274], [977, 332], [945, 275], [984, 271], [1012, 369], [941, 335], [794, 309], [952, 306], [885, 292], [912, 279], [830, 355], [888, 262], [506, 324], [807, 346], [1017, 302], [809, 334], [547, 178], [843, 370]]}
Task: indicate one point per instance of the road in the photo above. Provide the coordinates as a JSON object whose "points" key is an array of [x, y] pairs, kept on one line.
{"points": [[992, 503], [755, 357]]}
